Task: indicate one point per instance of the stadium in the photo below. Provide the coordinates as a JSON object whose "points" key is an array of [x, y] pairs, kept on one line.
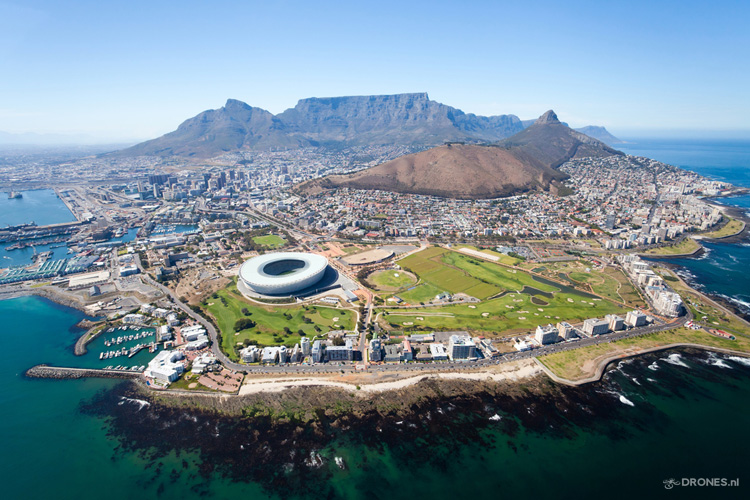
{"points": [[282, 273]]}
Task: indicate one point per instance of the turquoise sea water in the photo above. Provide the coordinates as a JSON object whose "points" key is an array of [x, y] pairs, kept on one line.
{"points": [[49, 448], [688, 420]]}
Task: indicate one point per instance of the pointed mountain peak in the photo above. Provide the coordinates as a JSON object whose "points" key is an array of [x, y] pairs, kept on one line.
{"points": [[234, 103], [547, 118]]}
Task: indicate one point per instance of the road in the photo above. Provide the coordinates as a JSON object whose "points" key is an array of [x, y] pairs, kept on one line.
{"points": [[443, 366]]}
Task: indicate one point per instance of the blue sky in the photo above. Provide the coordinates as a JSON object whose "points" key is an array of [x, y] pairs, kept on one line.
{"points": [[126, 70]]}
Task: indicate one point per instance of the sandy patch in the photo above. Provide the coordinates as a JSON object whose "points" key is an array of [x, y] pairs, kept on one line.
{"points": [[509, 372]]}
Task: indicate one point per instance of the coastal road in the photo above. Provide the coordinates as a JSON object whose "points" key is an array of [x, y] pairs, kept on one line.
{"points": [[441, 366]]}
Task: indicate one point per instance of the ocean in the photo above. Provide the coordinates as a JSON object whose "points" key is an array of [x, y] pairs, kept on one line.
{"points": [[659, 417], [721, 269], [663, 416]]}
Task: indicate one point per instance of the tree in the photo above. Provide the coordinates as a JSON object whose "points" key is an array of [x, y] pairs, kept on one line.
{"points": [[243, 324], [301, 332], [338, 341], [246, 312]]}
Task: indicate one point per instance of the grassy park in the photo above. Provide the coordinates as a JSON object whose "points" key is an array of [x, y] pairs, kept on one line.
{"points": [[271, 321], [270, 241], [390, 280], [686, 246], [731, 228]]}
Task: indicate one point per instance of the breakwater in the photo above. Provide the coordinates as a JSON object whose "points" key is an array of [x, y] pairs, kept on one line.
{"points": [[59, 372]]}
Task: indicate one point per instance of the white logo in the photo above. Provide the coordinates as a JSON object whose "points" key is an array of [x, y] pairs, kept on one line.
{"points": [[671, 483]]}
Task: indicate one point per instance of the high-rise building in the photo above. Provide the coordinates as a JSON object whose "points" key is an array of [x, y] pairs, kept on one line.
{"points": [[460, 347], [616, 323], [635, 319], [376, 350], [593, 326], [546, 334], [317, 351], [305, 346]]}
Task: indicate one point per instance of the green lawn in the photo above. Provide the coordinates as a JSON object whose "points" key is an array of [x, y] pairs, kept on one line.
{"points": [[453, 272], [270, 320], [580, 363], [391, 279], [688, 245], [731, 228], [512, 312], [270, 241], [424, 292]]}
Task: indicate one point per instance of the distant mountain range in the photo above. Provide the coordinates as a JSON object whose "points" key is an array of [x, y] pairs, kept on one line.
{"points": [[335, 122], [523, 162]]}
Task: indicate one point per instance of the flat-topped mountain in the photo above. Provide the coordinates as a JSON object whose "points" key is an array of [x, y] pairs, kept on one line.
{"points": [[601, 134], [526, 161], [401, 119]]}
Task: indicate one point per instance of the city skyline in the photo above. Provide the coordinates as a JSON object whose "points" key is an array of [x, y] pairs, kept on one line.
{"points": [[111, 74]]}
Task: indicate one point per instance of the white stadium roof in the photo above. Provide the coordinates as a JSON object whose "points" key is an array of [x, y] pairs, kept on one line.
{"points": [[282, 272]]}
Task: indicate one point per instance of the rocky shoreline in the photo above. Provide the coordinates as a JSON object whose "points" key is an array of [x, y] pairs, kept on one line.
{"points": [[287, 441]]}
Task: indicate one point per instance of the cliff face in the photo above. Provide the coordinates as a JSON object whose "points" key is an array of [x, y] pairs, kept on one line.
{"points": [[526, 161], [401, 119]]}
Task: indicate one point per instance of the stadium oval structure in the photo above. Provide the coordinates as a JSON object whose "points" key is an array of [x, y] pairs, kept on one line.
{"points": [[282, 273]]}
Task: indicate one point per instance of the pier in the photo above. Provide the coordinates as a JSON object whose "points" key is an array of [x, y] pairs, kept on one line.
{"points": [[60, 372]]}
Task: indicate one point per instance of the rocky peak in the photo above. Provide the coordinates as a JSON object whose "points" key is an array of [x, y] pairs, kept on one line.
{"points": [[547, 118]]}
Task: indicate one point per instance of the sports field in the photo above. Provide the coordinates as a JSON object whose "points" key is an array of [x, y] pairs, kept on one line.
{"points": [[390, 280], [270, 241], [271, 320]]}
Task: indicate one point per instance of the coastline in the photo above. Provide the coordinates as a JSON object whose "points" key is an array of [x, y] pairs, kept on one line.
{"points": [[47, 293], [602, 365]]}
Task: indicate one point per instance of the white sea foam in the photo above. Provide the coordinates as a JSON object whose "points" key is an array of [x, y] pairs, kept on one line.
{"points": [[675, 359], [626, 401], [635, 380], [651, 380], [740, 360], [721, 364], [496, 418], [653, 366], [141, 403]]}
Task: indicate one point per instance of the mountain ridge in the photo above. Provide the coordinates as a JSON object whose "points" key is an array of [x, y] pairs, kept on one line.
{"points": [[523, 162]]}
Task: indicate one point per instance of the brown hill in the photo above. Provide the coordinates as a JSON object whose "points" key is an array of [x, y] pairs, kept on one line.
{"points": [[527, 161]]}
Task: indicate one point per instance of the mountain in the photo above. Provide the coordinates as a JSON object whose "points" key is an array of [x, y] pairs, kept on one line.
{"points": [[335, 122], [601, 134], [553, 143], [526, 161]]}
